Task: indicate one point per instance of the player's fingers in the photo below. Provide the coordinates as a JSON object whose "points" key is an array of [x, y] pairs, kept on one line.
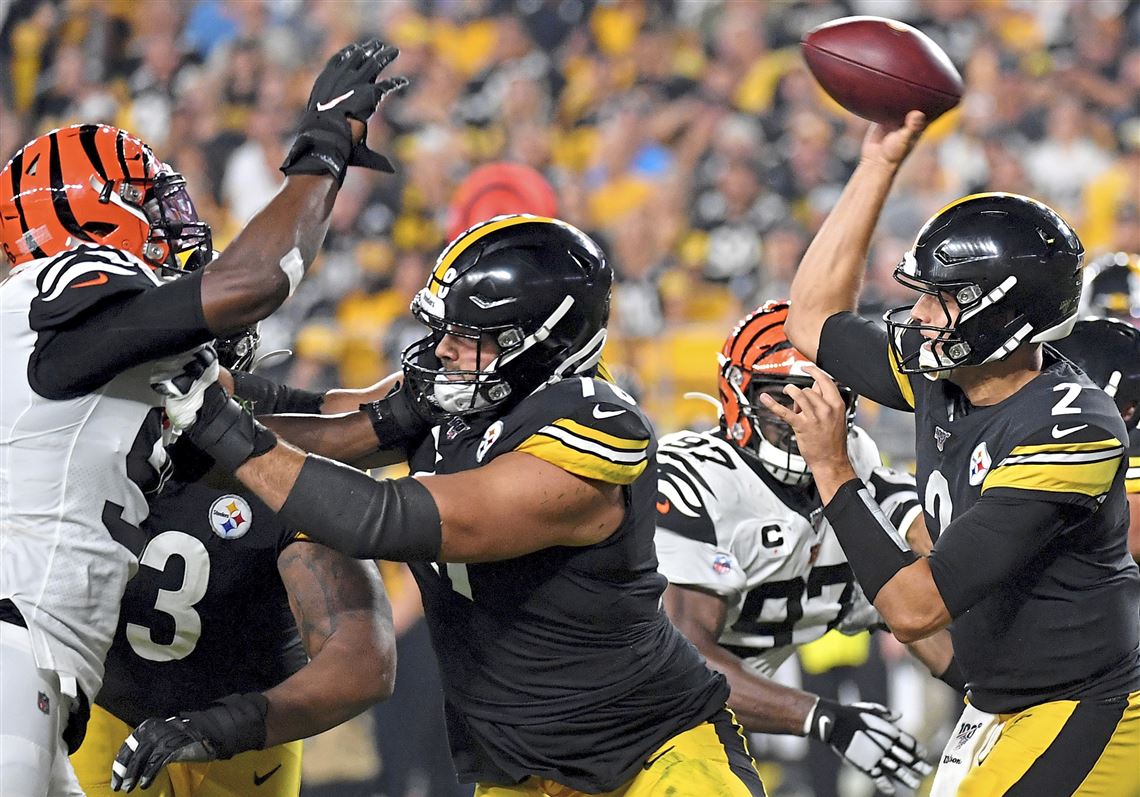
{"points": [[786, 414], [915, 122], [808, 403], [154, 764], [825, 386], [127, 763]]}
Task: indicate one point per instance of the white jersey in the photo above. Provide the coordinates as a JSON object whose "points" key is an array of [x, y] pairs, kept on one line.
{"points": [[728, 527], [72, 470]]}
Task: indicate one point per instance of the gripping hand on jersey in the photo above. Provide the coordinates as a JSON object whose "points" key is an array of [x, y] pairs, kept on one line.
{"points": [[865, 734], [182, 381], [199, 408], [231, 725]]}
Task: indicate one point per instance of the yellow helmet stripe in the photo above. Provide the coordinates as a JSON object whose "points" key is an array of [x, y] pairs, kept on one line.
{"points": [[462, 244]]}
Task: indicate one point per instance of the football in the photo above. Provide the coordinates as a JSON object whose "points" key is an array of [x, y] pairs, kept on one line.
{"points": [[879, 68], [498, 188]]}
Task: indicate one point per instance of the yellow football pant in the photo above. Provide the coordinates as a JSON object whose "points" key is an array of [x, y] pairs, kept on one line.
{"points": [[275, 772], [710, 759], [1066, 748]]}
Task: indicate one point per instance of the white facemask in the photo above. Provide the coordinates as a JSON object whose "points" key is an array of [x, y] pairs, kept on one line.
{"points": [[784, 466]]}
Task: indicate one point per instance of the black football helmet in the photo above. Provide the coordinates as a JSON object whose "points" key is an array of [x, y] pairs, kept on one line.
{"points": [[537, 288], [238, 352], [1108, 351], [1112, 287], [1012, 265]]}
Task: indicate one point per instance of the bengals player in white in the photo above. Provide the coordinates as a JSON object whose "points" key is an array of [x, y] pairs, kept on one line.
{"points": [[92, 224], [755, 571]]}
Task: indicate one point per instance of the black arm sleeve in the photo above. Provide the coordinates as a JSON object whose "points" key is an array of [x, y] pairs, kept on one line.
{"points": [[349, 511], [269, 398], [115, 336], [855, 351], [992, 542]]}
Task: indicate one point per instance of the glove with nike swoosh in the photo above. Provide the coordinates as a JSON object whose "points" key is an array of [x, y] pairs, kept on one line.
{"points": [[346, 88], [865, 734], [231, 725]]}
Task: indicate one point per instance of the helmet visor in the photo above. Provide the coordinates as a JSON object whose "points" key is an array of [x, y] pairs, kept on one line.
{"points": [[174, 221]]}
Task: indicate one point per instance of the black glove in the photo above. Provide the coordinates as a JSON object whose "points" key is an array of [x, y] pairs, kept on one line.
{"points": [[397, 418], [347, 87], [865, 735], [231, 725]]}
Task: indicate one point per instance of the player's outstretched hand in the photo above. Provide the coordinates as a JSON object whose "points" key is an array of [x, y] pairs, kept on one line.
{"points": [[347, 88], [865, 735], [231, 725], [891, 146]]}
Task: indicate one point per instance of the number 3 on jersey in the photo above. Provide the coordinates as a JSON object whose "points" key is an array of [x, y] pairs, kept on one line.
{"points": [[178, 604]]}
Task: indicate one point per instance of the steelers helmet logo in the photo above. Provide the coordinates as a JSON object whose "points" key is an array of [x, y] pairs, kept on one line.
{"points": [[230, 517]]}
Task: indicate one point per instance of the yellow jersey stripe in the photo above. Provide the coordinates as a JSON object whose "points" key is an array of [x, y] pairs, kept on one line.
{"points": [[1091, 478], [901, 379], [1132, 476], [598, 436], [582, 463], [1067, 447], [452, 254]]}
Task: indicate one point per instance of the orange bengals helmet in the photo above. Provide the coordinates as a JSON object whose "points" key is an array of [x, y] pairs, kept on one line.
{"points": [[758, 358], [95, 184]]}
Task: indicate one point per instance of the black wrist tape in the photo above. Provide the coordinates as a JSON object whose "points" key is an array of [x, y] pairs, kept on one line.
{"points": [[873, 546], [954, 676], [394, 519], [266, 397], [234, 723], [395, 421]]}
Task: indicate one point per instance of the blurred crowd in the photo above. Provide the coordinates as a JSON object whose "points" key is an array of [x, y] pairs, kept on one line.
{"points": [[685, 135]]}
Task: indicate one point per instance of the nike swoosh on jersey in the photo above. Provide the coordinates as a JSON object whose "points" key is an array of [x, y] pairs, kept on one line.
{"points": [[259, 779], [599, 413], [101, 279], [324, 106], [1058, 432]]}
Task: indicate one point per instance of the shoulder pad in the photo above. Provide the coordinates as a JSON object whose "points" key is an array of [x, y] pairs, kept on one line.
{"points": [[583, 426], [75, 281]]}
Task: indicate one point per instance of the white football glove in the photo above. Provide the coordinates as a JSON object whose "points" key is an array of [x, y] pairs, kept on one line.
{"points": [[182, 381], [865, 734]]}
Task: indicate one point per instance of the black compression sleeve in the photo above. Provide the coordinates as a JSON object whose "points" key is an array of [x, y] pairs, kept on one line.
{"points": [[155, 323], [954, 675], [394, 519], [269, 398], [855, 351], [873, 547], [1011, 531]]}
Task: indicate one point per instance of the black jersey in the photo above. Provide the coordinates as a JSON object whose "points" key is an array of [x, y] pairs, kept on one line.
{"points": [[1060, 621], [561, 663], [207, 614]]}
